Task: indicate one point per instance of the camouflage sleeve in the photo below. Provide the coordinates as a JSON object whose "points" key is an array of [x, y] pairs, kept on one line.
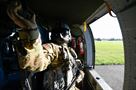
{"points": [[36, 58]]}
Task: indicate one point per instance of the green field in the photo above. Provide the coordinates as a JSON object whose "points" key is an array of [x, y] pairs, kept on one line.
{"points": [[109, 52]]}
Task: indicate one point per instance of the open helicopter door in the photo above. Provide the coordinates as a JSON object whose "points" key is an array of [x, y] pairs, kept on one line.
{"points": [[125, 11], [93, 81]]}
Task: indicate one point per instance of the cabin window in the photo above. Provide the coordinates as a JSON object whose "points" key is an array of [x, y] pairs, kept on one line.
{"points": [[109, 48]]}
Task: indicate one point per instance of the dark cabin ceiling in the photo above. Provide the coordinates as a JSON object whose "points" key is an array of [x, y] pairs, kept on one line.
{"points": [[72, 11]]}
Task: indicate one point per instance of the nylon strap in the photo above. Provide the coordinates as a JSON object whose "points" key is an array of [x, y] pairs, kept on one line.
{"points": [[109, 8], [29, 35]]}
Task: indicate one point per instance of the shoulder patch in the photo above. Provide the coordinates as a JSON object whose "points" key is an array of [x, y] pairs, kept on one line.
{"points": [[46, 46]]}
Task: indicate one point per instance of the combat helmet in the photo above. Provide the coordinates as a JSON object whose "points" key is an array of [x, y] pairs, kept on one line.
{"points": [[61, 33]]}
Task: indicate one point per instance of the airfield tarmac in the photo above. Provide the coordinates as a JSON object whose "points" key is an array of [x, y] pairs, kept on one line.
{"points": [[112, 74]]}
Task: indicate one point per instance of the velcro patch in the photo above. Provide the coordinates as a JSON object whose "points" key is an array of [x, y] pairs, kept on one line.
{"points": [[46, 46]]}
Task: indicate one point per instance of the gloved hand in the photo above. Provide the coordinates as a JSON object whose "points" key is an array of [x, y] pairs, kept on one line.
{"points": [[28, 32], [79, 64], [13, 12]]}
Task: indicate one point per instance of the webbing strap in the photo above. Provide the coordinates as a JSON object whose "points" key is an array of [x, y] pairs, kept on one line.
{"points": [[85, 26], [109, 8], [29, 35]]}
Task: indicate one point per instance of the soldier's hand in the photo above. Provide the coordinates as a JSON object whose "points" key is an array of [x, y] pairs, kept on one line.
{"points": [[64, 53], [13, 12]]}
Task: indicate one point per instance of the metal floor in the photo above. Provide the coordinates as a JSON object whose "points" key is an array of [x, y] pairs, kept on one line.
{"points": [[112, 74]]}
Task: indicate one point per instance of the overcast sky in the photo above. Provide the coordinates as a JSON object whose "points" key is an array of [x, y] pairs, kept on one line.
{"points": [[106, 27]]}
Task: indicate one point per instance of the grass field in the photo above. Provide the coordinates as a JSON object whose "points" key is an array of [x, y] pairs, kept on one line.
{"points": [[109, 52]]}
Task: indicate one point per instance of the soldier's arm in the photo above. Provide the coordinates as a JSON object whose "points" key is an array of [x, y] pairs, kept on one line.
{"points": [[35, 58], [79, 64]]}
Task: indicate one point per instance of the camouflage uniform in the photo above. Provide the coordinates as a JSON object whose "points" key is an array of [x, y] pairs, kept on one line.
{"points": [[49, 58], [57, 61]]}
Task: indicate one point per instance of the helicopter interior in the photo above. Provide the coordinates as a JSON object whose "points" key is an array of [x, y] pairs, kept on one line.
{"points": [[78, 14]]}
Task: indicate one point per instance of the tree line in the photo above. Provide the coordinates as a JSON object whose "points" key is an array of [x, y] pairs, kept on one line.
{"points": [[110, 39]]}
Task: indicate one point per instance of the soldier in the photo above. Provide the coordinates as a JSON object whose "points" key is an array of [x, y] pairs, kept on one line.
{"points": [[56, 59]]}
